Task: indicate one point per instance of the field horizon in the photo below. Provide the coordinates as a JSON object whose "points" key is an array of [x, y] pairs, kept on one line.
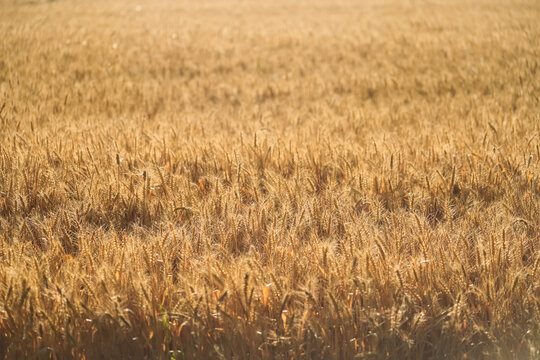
{"points": [[269, 180]]}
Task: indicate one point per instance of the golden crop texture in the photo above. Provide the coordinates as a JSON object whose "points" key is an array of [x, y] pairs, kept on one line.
{"points": [[269, 179]]}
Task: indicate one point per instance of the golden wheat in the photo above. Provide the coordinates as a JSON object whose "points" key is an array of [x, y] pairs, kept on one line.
{"points": [[246, 179]]}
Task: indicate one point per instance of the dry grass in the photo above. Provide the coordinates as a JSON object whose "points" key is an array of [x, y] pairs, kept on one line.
{"points": [[222, 179]]}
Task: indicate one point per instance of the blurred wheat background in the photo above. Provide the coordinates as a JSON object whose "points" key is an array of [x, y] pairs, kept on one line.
{"points": [[269, 180]]}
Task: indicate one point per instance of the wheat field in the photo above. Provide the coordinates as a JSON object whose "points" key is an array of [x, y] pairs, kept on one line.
{"points": [[226, 179]]}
